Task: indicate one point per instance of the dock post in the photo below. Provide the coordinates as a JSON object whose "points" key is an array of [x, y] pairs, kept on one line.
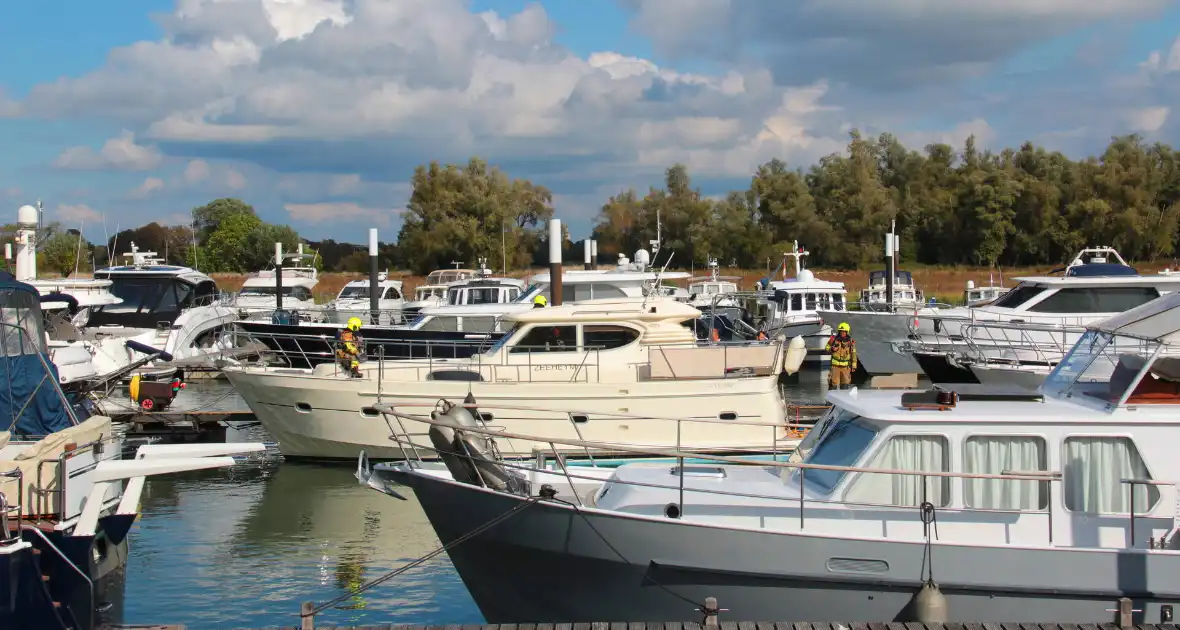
{"points": [[711, 613], [1125, 612], [305, 613]]}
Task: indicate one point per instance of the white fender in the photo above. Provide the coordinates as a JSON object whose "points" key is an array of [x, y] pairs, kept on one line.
{"points": [[794, 356]]}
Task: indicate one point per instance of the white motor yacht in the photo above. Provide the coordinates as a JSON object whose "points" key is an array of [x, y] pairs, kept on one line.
{"points": [[354, 301], [978, 504], [434, 291], [713, 290], [258, 297], [628, 355], [791, 306], [175, 310]]}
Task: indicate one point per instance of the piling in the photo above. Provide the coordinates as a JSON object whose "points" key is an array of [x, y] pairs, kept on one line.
{"points": [[278, 279], [586, 254], [594, 253], [374, 283], [555, 261]]}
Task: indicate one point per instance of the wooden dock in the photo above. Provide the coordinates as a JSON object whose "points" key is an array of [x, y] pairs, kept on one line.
{"points": [[722, 625]]}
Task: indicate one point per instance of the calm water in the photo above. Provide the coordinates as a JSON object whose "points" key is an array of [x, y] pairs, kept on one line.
{"points": [[244, 547]]}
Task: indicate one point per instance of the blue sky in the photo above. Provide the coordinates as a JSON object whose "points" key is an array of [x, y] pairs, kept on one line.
{"points": [[316, 111]]}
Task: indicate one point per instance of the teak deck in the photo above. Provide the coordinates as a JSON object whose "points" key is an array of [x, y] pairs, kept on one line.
{"points": [[728, 625]]}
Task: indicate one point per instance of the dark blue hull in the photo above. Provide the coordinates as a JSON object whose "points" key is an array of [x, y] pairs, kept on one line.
{"points": [[42, 585]]}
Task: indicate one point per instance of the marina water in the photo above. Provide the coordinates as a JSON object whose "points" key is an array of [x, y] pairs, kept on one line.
{"points": [[243, 547]]}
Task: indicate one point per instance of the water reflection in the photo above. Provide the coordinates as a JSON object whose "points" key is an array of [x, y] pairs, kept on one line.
{"points": [[244, 547]]}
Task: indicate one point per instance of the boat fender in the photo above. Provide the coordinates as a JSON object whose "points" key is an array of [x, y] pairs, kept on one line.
{"points": [[493, 474], [458, 416], [443, 441], [930, 604], [796, 352]]}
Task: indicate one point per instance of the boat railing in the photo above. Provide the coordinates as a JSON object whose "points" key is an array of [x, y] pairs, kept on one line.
{"points": [[991, 341], [783, 437], [579, 483], [50, 501], [9, 533], [89, 607]]}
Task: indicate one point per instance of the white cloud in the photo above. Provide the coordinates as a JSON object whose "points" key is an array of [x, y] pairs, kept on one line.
{"points": [[1147, 119], [196, 171], [235, 180], [331, 211], [983, 132], [77, 214], [8, 107], [149, 186], [120, 153]]}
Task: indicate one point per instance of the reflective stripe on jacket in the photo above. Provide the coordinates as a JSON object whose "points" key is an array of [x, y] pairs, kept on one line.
{"points": [[843, 351], [347, 346]]}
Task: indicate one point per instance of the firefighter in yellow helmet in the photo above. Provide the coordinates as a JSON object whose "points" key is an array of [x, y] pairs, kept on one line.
{"points": [[843, 351], [540, 301], [348, 347]]}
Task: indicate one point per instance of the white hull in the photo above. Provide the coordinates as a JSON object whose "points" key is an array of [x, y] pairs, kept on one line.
{"points": [[325, 417]]}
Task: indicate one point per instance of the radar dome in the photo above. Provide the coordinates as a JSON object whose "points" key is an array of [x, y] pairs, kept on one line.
{"points": [[970, 284], [805, 275], [26, 215], [642, 257]]}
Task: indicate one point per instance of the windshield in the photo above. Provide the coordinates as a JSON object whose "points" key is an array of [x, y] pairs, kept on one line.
{"points": [[532, 292], [841, 442], [358, 293], [263, 291], [503, 340]]}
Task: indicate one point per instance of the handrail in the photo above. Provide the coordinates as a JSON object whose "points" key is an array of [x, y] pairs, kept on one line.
{"points": [[389, 408], [19, 475], [89, 582]]}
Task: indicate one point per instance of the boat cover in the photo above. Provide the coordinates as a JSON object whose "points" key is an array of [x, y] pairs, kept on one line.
{"points": [[30, 404]]}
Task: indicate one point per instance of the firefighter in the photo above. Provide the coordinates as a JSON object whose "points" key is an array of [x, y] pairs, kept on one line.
{"points": [[843, 351], [348, 350], [540, 301]]}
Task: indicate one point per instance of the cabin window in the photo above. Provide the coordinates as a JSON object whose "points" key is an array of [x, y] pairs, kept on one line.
{"points": [[487, 295], [796, 302], [811, 301], [392, 293], [478, 324], [1000, 454], [439, 324], [595, 291], [838, 301], [926, 453], [1018, 296], [548, 339], [300, 293], [1096, 300], [842, 442], [1093, 468], [607, 337]]}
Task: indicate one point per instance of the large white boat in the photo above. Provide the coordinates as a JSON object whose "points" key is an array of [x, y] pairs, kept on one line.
{"points": [[434, 291], [258, 296], [791, 306], [975, 504], [173, 309], [632, 356], [354, 301]]}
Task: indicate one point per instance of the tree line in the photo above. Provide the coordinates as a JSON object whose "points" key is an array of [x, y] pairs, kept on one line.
{"points": [[1014, 207]]}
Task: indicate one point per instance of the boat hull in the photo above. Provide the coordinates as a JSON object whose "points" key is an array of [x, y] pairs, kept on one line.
{"points": [[618, 568], [332, 417]]}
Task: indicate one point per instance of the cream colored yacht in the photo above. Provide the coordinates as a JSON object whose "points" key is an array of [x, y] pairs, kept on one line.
{"points": [[629, 366]]}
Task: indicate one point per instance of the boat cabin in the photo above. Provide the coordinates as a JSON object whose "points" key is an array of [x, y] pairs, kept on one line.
{"points": [[795, 300], [904, 291], [353, 301], [621, 340], [150, 292], [976, 296]]}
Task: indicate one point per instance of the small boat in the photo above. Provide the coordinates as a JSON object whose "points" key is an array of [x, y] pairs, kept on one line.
{"points": [[434, 291], [791, 306]]}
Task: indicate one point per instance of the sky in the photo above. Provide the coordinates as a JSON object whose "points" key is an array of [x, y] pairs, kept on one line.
{"points": [[316, 112]]}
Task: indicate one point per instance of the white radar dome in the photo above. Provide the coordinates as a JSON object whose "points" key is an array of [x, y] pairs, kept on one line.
{"points": [[26, 215]]}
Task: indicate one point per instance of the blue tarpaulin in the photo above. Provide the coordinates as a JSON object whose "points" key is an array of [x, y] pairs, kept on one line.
{"points": [[30, 405]]}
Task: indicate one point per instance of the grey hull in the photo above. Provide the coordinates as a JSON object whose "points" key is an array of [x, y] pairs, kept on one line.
{"points": [[877, 336], [1008, 376], [553, 563]]}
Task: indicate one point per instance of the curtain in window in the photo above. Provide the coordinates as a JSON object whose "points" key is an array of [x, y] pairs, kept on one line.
{"points": [[906, 452], [992, 455], [1093, 470]]}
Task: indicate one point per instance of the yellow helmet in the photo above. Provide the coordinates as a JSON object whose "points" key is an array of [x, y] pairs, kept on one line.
{"points": [[844, 327], [540, 299], [354, 323]]}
